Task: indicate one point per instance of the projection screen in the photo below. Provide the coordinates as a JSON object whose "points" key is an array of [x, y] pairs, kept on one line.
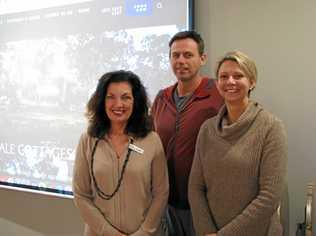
{"points": [[52, 53]]}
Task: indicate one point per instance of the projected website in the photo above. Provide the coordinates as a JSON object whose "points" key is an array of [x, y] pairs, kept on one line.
{"points": [[51, 55]]}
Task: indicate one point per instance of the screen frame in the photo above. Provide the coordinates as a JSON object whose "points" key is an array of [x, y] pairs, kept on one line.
{"points": [[69, 194]]}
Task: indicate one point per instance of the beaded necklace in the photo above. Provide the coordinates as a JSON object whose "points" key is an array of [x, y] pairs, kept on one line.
{"points": [[99, 191]]}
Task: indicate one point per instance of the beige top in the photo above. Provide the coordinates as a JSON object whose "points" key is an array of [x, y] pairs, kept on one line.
{"points": [[238, 174], [139, 204]]}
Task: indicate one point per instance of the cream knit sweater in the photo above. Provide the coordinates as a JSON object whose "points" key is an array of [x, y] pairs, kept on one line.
{"points": [[140, 202]]}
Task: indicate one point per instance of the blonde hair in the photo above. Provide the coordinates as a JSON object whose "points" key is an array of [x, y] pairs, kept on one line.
{"points": [[246, 64]]}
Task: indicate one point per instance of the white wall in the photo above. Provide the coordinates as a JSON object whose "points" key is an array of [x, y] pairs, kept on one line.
{"points": [[31, 214], [280, 35]]}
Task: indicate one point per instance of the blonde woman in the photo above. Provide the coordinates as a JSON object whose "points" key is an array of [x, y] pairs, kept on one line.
{"points": [[239, 169]]}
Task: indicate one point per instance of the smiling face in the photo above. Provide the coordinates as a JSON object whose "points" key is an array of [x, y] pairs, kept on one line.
{"points": [[185, 59], [233, 84], [119, 103]]}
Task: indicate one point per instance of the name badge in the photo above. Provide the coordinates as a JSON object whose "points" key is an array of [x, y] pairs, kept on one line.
{"points": [[135, 148]]}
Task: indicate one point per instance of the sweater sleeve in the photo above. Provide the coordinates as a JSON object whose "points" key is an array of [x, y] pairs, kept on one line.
{"points": [[160, 192], [202, 215], [272, 172], [83, 196]]}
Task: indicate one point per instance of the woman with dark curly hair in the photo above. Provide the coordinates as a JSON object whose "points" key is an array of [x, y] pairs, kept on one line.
{"points": [[120, 179]]}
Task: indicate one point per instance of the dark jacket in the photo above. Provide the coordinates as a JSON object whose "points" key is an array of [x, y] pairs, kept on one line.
{"points": [[178, 132]]}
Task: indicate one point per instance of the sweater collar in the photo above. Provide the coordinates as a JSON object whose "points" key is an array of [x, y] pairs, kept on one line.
{"points": [[237, 129], [130, 136], [200, 91]]}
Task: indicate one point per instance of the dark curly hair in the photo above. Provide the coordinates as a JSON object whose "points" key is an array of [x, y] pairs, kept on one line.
{"points": [[139, 123]]}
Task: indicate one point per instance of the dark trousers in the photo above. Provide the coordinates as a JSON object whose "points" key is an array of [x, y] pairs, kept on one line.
{"points": [[181, 223]]}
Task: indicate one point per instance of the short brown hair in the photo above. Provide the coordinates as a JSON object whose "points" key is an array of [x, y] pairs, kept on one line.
{"points": [[191, 35]]}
